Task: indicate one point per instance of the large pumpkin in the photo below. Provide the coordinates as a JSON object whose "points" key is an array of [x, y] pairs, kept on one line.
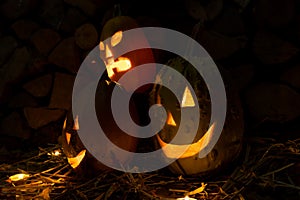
{"points": [[111, 40], [229, 144]]}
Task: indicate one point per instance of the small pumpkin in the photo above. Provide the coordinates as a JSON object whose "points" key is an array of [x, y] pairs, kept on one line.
{"points": [[229, 144], [78, 155]]}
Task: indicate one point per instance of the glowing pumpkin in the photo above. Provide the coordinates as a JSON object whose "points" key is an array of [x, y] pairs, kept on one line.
{"points": [[78, 156], [229, 144], [111, 41], [117, 66]]}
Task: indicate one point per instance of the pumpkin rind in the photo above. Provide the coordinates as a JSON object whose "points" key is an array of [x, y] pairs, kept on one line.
{"points": [[136, 57], [229, 145], [72, 145], [118, 23], [71, 142]]}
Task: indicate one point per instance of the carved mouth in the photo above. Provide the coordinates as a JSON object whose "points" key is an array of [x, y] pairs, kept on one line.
{"points": [[175, 151], [119, 65]]}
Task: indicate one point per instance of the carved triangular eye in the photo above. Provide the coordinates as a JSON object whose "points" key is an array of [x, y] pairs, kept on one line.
{"points": [[101, 46], [116, 38], [170, 120], [187, 99], [68, 137], [76, 124]]}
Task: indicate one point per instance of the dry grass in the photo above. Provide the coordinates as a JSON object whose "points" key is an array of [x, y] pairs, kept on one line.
{"points": [[265, 172]]}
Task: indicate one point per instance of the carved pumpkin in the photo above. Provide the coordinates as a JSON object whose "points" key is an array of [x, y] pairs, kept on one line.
{"points": [[78, 156], [229, 144], [117, 66]]}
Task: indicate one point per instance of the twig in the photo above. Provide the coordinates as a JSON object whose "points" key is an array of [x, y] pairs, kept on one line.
{"points": [[278, 170]]}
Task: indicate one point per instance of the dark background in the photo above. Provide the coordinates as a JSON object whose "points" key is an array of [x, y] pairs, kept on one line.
{"points": [[41, 49]]}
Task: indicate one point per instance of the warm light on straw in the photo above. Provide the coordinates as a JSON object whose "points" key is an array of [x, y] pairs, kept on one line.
{"points": [[186, 198], [18, 177], [55, 153]]}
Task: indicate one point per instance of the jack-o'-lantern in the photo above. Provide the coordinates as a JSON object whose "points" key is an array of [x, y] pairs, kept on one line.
{"points": [[228, 146], [112, 39], [117, 66], [78, 155]]}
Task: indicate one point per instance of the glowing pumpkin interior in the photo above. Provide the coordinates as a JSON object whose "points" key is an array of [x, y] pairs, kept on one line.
{"points": [[114, 65]]}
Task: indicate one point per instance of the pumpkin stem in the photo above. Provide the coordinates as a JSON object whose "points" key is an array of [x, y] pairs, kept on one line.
{"points": [[195, 31], [117, 10]]}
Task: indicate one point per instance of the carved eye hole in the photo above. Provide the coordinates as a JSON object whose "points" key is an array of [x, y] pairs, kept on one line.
{"points": [[170, 120], [116, 38], [101, 46], [187, 99]]}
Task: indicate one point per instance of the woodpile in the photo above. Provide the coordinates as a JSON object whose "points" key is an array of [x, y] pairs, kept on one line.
{"points": [[43, 44]]}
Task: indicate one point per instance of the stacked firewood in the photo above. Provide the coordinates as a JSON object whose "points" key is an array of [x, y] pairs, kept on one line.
{"points": [[44, 42]]}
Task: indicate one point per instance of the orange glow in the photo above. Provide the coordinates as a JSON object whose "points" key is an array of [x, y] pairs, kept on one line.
{"points": [[18, 177], [76, 124], [75, 162], [121, 65], [65, 124], [55, 153], [187, 99], [108, 53], [116, 38], [186, 198], [68, 137], [114, 65], [170, 120], [174, 151], [101, 46]]}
